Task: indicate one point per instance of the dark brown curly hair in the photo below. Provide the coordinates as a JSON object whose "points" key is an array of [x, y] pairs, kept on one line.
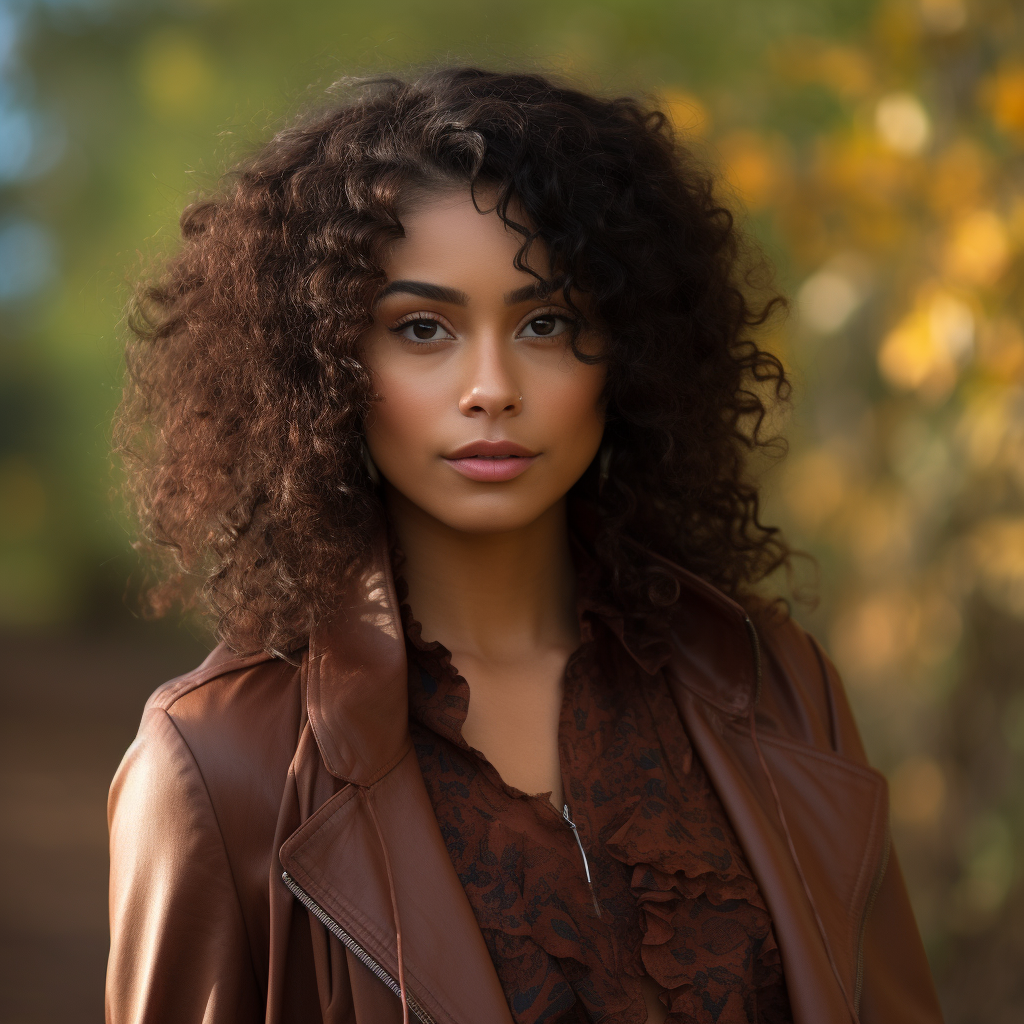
{"points": [[241, 426]]}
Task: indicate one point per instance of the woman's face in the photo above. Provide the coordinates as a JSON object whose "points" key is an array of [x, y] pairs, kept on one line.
{"points": [[485, 418]]}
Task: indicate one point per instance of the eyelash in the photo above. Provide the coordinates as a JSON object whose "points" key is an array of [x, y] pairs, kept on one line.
{"points": [[414, 318], [432, 318]]}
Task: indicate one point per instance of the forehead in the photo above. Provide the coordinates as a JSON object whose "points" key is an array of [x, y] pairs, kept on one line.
{"points": [[447, 236]]}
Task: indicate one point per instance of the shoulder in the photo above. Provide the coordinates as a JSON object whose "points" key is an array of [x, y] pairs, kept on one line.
{"points": [[222, 674], [231, 725], [801, 693]]}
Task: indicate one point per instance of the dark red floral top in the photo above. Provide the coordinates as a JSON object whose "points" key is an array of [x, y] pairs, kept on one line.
{"points": [[672, 895]]}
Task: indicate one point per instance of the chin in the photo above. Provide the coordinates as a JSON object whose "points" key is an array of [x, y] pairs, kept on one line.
{"points": [[496, 509], [494, 517]]}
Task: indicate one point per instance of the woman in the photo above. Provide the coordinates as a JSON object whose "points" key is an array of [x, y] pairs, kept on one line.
{"points": [[446, 402]]}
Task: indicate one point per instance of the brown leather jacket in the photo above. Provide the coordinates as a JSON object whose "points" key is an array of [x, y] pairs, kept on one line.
{"points": [[256, 820]]}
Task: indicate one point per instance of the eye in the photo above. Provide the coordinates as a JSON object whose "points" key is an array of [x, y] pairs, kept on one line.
{"points": [[545, 327], [422, 330]]}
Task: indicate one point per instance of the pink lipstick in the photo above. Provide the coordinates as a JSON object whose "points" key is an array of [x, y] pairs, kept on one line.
{"points": [[491, 461]]}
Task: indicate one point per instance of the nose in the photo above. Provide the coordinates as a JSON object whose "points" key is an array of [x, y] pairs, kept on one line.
{"points": [[490, 388]]}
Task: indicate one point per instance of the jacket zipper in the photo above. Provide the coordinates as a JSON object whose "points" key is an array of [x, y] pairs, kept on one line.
{"points": [[875, 886], [567, 818], [350, 943]]}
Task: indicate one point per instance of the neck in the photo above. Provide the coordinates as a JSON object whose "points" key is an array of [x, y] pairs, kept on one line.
{"points": [[493, 596]]}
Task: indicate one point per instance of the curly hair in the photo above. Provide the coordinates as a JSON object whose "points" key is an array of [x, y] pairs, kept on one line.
{"points": [[241, 425]]}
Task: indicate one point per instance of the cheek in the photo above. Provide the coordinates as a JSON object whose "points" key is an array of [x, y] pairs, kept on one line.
{"points": [[573, 405], [409, 404]]}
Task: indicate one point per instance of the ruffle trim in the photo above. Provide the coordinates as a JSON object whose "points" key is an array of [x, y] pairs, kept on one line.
{"points": [[696, 906]]}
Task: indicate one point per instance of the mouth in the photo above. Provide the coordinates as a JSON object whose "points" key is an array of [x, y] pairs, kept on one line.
{"points": [[491, 461]]}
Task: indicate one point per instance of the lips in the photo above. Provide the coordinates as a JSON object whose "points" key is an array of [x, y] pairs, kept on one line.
{"points": [[491, 461]]}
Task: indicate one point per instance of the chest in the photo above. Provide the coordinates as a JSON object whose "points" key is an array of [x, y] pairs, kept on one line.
{"points": [[581, 914], [513, 719]]}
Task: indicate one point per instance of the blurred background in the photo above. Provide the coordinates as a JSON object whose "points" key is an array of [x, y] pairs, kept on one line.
{"points": [[874, 147]]}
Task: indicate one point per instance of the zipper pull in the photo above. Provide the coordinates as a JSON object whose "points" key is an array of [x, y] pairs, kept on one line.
{"points": [[567, 818]]}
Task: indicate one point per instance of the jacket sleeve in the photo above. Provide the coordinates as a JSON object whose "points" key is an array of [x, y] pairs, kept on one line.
{"points": [[897, 985], [179, 951]]}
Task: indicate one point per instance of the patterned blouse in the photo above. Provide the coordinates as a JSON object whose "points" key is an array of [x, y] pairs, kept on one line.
{"points": [[670, 892]]}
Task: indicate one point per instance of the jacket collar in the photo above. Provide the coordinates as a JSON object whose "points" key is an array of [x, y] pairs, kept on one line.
{"points": [[714, 643], [357, 682]]}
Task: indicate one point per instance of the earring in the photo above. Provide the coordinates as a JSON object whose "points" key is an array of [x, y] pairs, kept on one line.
{"points": [[371, 468], [604, 463]]}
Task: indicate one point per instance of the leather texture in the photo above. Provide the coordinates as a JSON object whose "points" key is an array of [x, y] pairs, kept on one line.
{"points": [[249, 768]]}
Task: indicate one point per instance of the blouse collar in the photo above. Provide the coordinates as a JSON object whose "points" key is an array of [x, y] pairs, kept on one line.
{"points": [[356, 670]]}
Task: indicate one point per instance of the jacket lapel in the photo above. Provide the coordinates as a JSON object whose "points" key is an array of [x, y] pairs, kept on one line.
{"points": [[818, 927], [813, 823], [337, 859], [357, 702]]}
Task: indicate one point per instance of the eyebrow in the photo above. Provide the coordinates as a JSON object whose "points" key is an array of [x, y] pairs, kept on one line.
{"points": [[536, 290], [435, 292], [439, 293]]}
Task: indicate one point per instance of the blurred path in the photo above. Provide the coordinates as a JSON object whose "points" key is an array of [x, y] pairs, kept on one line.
{"points": [[69, 706]]}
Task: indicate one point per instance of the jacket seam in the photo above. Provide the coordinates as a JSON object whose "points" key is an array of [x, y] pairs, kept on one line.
{"points": [[729, 710], [223, 845], [355, 787], [327, 817], [170, 693], [388, 768], [833, 724], [841, 761], [833, 757], [871, 840], [349, 908]]}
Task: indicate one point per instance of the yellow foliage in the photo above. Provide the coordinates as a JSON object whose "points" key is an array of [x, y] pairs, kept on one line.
{"points": [[878, 527], [844, 69], [894, 630], [917, 791], [872, 636], [923, 352], [902, 123], [978, 249], [959, 178], [752, 166], [1003, 97], [991, 433], [688, 115], [814, 487], [943, 17], [1001, 350], [829, 297], [997, 548], [866, 187]]}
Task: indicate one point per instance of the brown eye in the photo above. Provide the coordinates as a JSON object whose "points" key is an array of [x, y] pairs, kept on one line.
{"points": [[545, 327], [422, 330]]}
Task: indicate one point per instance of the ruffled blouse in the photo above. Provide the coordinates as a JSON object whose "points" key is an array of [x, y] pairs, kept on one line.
{"points": [[671, 895]]}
